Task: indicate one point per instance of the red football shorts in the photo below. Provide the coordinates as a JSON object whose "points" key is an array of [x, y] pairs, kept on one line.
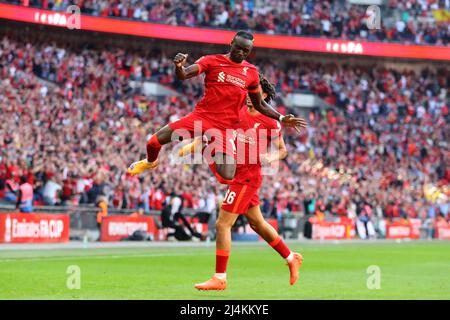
{"points": [[239, 198], [220, 140]]}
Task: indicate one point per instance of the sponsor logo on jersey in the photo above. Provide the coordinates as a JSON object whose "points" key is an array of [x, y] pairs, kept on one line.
{"points": [[245, 138], [223, 77]]}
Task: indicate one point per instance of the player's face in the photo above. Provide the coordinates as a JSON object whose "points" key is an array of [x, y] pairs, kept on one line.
{"points": [[240, 49]]}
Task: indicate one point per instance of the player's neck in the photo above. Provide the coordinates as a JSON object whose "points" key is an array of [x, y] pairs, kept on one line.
{"points": [[229, 58]]}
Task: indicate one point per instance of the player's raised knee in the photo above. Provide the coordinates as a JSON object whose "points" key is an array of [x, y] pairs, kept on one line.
{"points": [[227, 175], [227, 172]]}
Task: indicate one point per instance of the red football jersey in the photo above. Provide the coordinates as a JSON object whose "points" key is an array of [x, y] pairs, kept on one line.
{"points": [[255, 134], [226, 86]]}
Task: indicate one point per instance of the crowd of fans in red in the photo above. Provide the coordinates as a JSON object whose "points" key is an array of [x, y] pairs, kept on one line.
{"points": [[73, 136], [408, 21]]}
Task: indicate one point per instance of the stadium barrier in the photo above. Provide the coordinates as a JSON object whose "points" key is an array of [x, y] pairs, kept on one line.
{"points": [[34, 228], [443, 233], [79, 223], [416, 226], [333, 230], [403, 229], [83, 220], [442, 230], [116, 228]]}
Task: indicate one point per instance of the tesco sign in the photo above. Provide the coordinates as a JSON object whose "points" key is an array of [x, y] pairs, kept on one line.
{"points": [[345, 47], [55, 19]]}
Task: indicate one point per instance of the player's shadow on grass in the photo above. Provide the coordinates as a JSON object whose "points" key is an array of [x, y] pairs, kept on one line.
{"points": [[206, 295]]}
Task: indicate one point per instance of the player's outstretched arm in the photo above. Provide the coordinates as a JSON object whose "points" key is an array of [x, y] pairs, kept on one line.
{"points": [[181, 71], [267, 110]]}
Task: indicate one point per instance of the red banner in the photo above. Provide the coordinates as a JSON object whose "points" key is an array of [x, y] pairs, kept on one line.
{"points": [[180, 33], [327, 230], [442, 233], [399, 230], [115, 228], [442, 229], [29, 227], [416, 224]]}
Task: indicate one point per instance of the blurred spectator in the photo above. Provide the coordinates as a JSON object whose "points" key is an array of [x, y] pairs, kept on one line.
{"points": [[12, 187], [25, 196], [102, 205], [51, 192]]}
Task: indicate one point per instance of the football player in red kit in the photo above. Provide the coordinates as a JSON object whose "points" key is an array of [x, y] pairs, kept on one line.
{"points": [[228, 81], [256, 133]]}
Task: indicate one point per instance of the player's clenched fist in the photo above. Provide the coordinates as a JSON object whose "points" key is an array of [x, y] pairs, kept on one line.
{"points": [[293, 122], [180, 59]]}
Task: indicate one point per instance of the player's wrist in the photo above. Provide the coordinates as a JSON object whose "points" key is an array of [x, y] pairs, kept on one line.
{"points": [[281, 117]]}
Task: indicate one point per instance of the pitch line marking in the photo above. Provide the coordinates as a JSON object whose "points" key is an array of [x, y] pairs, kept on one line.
{"points": [[64, 258]]}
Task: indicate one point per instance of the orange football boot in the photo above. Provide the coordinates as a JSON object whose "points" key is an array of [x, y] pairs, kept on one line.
{"points": [[294, 267], [141, 166], [212, 284], [190, 147]]}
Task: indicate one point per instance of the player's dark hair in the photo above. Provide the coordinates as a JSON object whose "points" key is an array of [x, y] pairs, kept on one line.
{"points": [[244, 34], [267, 88]]}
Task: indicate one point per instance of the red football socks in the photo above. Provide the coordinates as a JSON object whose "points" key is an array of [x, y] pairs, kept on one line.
{"points": [[222, 260], [279, 245], [153, 148]]}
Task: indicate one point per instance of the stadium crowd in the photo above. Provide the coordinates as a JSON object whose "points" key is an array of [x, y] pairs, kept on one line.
{"points": [[407, 21], [72, 124]]}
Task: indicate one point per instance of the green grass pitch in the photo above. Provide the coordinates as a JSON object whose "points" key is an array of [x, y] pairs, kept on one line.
{"points": [[409, 270]]}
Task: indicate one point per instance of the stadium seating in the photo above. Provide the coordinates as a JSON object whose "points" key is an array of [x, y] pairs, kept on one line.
{"points": [[406, 21], [77, 123]]}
